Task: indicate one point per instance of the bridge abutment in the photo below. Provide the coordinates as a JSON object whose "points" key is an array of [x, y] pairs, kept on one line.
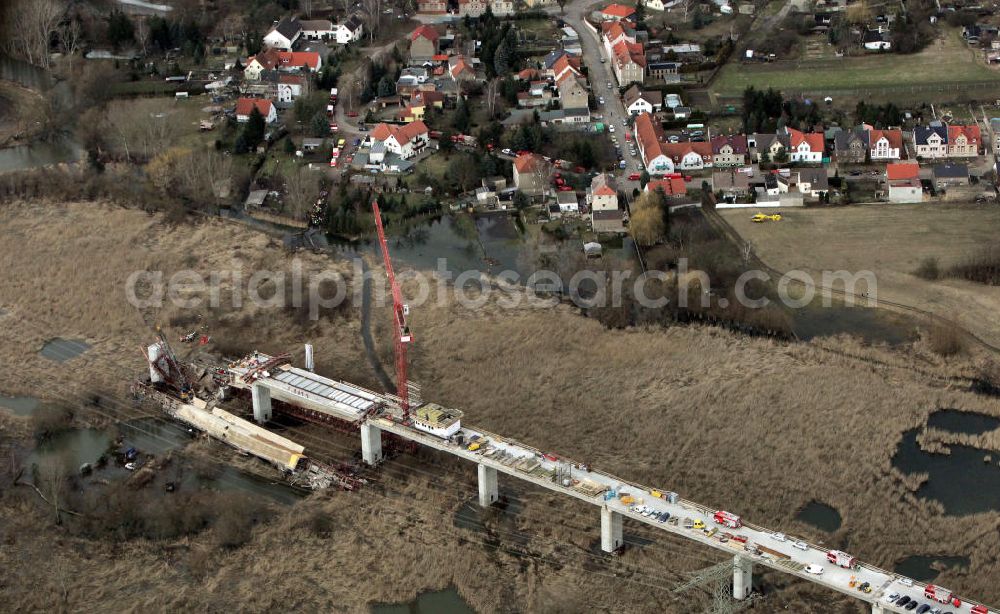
{"points": [[371, 444], [261, 403], [489, 488], [742, 577], [611, 530]]}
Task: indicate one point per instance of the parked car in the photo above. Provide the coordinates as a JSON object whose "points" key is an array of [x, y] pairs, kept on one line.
{"points": [[634, 177], [801, 545], [600, 100], [906, 581], [891, 597], [903, 600], [779, 537], [912, 605], [814, 569], [611, 129]]}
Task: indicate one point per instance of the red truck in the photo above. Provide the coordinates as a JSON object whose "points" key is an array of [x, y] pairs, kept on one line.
{"points": [[842, 559], [728, 519], [941, 595]]}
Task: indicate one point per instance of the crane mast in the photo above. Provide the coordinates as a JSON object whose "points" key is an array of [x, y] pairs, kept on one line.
{"points": [[401, 332]]}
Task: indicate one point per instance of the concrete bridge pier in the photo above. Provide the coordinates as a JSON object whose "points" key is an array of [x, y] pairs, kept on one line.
{"points": [[371, 444], [261, 403], [611, 530], [877, 608], [489, 490], [742, 577]]}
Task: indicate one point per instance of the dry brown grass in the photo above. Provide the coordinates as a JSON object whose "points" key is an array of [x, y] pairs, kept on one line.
{"points": [[890, 241], [756, 426]]}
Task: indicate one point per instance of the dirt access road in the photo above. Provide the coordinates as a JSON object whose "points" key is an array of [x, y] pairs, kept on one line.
{"points": [[890, 241]]}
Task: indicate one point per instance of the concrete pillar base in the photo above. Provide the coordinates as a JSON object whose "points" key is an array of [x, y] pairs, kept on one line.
{"points": [[371, 444], [611, 530], [261, 403], [489, 490], [877, 608], [742, 577]]}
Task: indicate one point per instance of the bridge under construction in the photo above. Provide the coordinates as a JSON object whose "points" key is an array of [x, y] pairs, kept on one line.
{"points": [[310, 396], [305, 394]]}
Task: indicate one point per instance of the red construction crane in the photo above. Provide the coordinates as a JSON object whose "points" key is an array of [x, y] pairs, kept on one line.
{"points": [[399, 313]]}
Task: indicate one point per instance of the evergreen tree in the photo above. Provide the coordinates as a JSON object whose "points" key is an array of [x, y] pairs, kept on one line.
{"points": [[120, 29]]}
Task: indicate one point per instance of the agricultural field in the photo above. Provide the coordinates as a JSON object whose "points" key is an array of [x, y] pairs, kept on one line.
{"points": [[942, 66], [891, 241]]}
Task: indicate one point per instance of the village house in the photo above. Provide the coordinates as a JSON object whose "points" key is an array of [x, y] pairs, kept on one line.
{"points": [[765, 146], [655, 5], [316, 29], [245, 107], [995, 131], [931, 141], [273, 59], [617, 12], [690, 156], [432, 7], [566, 65], [804, 146], [811, 182], [628, 60], [471, 8], [405, 141], [668, 186], [531, 174], [668, 72], [851, 146], [572, 94], [283, 34], [951, 174], [423, 43], [877, 39], [460, 69], [349, 30], [649, 139], [733, 184], [886, 144], [502, 8], [963, 141], [602, 196], [903, 181], [637, 101], [729, 150]]}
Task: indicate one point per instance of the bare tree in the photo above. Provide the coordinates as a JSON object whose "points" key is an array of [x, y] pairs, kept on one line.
{"points": [[30, 26], [302, 190], [142, 34], [306, 6], [490, 95], [70, 36]]}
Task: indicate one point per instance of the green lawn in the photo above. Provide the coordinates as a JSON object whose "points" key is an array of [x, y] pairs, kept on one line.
{"points": [[944, 65]]}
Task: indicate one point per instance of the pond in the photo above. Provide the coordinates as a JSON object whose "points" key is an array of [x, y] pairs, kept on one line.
{"points": [[447, 601], [870, 324], [20, 406], [61, 350], [820, 515], [925, 568], [960, 481], [39, 154], [953, 421]]}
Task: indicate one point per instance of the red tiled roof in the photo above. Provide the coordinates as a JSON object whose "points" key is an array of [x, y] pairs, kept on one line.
{"points": [[403, 134], [902, 170], [677, 151], [971, 133], [618, 10], [244, 106], [425, 31], [648, 133], [441, 57], [273, 58], [625, 51], [672, 186], [737, 141], [895, 137], [813, 139]]}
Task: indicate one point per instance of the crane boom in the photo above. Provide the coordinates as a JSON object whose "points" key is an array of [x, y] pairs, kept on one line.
{"points": [[401, 331]]}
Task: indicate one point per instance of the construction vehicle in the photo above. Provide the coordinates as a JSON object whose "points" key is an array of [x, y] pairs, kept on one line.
{"points": [[865, 587], [728, 519], [763, 217], [699, 524], [401, 335], [842, 559], [941, 595], [853, 582]]}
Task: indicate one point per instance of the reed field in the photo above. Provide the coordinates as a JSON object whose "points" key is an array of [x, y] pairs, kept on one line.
{"points": [[756, 426]]}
